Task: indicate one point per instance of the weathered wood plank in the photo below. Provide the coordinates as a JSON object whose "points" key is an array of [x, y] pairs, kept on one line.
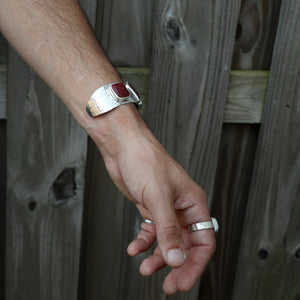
{"points": [[124, 29], [183, 93], [2, 204], [3, 50], [46, 165], [256, 33], [269, 265], [3, 60], [253, 50], [2, 91], [232, 185], [246, 92], [46, 160], [104, 258], [192, 53]]}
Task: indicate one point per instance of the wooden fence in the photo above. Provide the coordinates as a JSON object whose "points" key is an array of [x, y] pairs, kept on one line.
{"points": [[221, 79]]}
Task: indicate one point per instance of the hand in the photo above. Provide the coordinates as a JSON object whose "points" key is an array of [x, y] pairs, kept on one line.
{"points": [[164, 193]]}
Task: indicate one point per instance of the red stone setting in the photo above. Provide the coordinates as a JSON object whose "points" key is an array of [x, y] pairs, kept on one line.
{"points": [[120, 91], [135, 91]]}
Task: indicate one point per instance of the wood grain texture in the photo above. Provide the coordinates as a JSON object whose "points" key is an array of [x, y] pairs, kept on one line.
{"points": [[269, 264], [255, 34], [124, 29], [46, 160], [110, 223], [186, 106], [3, 91], [192, 54], [3, 49], [253, 50], [244, 103], [232, 185], [45, 184], [245, 98], [3, 60], [108, 228], [2, 205]]}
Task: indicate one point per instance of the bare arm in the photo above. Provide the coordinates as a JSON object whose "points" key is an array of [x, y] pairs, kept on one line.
{"points": [[56, 40]]}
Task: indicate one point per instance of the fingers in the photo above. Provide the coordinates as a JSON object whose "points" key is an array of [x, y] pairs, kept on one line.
{"points": [[144, 240], [170, 285], [196, 261], [186, 276], [152, 264], [168, 231]]}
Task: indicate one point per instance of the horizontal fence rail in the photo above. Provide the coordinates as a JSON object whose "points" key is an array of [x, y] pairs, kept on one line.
{"points": [[245, 98]]}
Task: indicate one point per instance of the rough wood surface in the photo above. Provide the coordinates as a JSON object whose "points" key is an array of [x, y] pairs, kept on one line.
{"points": [[110, 223], [253, 50], [192, 53], [232, 185], [46, 164], [3, 50], [46, 160], [124, 29], [2, 91], [269, 264], [246, 93], [3, 60], [255, 34], [2, 204], [245, 97]]}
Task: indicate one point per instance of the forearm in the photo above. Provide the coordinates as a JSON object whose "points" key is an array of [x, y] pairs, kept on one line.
{"points": [[55, 39]]}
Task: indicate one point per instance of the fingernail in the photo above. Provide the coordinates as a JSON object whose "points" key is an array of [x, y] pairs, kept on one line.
{"points": [[176, 257]]}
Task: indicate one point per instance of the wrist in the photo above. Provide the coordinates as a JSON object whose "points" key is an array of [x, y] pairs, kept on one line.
{"points": [[112, 131]]}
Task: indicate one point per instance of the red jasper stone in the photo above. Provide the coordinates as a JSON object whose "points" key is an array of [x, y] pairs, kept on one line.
{"points": [[120, 90]]}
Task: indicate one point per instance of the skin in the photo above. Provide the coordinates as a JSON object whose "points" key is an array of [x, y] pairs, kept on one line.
{"points": [[55, 39]]}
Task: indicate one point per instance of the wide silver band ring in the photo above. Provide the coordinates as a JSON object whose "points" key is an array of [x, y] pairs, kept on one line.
{"points": [[213, 224]]}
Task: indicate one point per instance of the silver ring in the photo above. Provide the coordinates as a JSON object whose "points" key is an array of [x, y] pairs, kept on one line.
{"points": [[213, 224], [147, 221]]}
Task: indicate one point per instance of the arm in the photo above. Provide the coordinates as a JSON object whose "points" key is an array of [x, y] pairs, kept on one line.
{"points": [[56, 40]]}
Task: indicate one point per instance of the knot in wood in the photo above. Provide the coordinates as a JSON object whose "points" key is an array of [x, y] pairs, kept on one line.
{"points": [[173, 30], [64, 186], [263, 254], [248, 28]]}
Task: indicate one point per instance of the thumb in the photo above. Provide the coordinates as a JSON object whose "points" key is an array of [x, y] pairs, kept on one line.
{"points": [[168, 232]]}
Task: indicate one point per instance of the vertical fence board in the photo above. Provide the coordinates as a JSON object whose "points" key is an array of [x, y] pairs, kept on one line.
{"points": [[3, 93], [3, 49], [124, 30], [45, 184], [192, 52], [104, 258], [2, 203], [269, 265], [3, 60], [255, 37], [46, 159]]}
